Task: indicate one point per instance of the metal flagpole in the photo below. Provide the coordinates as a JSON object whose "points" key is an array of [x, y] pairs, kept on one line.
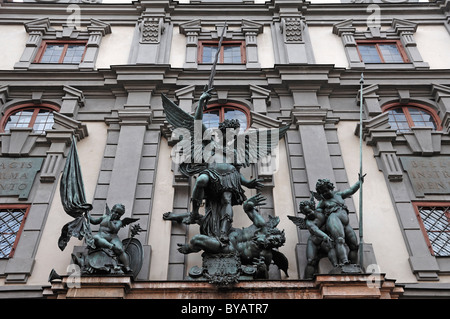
{"points": [[361, 252]]}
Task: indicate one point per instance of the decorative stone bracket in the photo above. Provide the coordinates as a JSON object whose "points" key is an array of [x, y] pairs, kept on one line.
{"points": [[60, 137]]}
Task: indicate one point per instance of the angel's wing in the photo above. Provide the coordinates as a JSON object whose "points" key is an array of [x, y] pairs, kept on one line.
{"points": [[254, 144], [176, 116], [299, 221], [127, 221], [184, 121]]}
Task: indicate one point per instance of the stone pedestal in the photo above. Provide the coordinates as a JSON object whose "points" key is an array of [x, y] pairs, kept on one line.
{"points": [[343, 286]]}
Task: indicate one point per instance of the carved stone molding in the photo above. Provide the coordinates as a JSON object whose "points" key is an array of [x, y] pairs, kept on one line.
{"points": [[292, 29], [151, 30], [18, 142], [424, 141], [377, 133]]}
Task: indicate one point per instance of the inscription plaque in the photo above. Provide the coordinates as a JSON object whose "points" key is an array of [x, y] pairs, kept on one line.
{"points": [[428, 175], [17, 175]]}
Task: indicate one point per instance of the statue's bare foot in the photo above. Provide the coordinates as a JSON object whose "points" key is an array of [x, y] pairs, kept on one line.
{"points": [[184, 248], [191, 219]]}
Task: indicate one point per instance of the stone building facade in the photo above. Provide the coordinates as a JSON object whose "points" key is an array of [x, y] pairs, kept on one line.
{"points": [[96, 70]]}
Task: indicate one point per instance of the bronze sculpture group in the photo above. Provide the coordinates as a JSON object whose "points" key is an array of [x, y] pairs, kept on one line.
{"points": [[329, 226], [105, 252], [229, 254]]}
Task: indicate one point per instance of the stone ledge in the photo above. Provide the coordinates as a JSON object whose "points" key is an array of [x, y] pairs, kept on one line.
{"points": [[361, 286]]}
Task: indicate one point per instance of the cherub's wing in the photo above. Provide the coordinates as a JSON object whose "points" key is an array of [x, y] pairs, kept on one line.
{"points": [[254, 144], [107, 210], [316, 196], [281, 261], [299, 221], [126, 221], [312, 197]]}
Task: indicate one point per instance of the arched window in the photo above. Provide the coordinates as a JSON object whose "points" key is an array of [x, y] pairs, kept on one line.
{"points": [[404, 116], [40, 117], [218, 113]]}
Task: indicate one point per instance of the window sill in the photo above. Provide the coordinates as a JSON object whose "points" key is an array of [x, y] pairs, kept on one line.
{"points": [[390, 66], [55, 67], [222, 66]]}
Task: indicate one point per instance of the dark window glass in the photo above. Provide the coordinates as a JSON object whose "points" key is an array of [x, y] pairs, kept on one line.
{"points": [[435, 221], [10, 222]]}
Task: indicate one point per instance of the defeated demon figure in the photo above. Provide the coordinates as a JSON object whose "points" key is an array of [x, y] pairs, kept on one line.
{"points": [[255, 245]]}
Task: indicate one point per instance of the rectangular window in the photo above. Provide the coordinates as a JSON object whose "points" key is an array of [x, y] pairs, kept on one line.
{"points": [[232, 52], [58, 52], [12, 219], [382, 52], [434, 219]]}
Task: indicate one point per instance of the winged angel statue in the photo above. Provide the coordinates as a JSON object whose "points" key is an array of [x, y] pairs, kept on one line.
{"points": [[216, 156]]}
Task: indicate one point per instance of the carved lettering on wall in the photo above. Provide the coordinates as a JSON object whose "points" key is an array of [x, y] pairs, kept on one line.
{"points": [[428, 175], [17, 175]]}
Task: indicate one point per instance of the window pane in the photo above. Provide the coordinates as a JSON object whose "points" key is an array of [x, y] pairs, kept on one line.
{"points": [[44, 121], [397, 120], [27, 118], [52, 53], [239, 115], [232, 54], [10, 221], [436, 224], [421, 118], [211, 119], [74, 53], [209, 53], [19, 119], [369, 53], [390, 53]]}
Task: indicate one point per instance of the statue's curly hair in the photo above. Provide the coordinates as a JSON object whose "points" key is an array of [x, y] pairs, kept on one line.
{"points": [[306, 203], [324, 184], [233, 123]]}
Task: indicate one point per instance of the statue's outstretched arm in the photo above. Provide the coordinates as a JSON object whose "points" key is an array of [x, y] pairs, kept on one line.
{"points": [[251, 211], [93, 220], [316, 230], [204, 98], [353, 189]]}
